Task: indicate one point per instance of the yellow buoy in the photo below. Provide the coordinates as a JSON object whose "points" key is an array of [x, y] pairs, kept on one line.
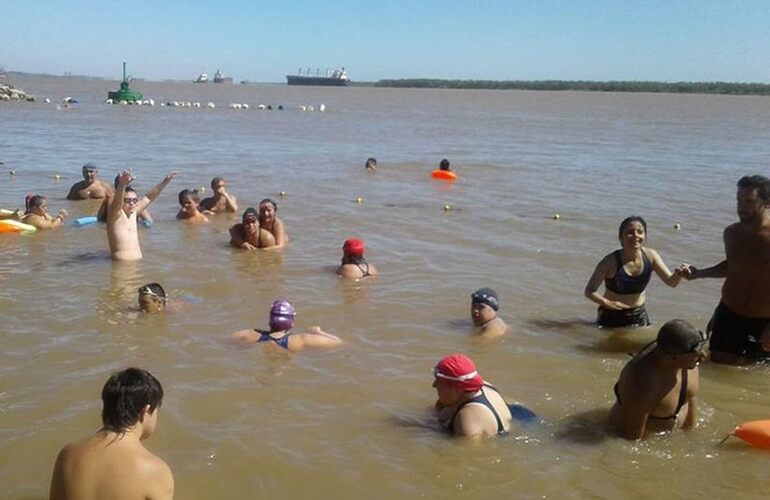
{"points": [[359, 200], [282, 194], [447, 208], [57, 177], [556, 216], [677, 226], [202, 189]]}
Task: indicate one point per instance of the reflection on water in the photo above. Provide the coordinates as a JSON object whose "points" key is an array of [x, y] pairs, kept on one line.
{"points": [[240, 422]]}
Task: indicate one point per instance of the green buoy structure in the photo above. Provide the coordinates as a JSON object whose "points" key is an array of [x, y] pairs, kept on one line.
{"points": [[125, 93]]}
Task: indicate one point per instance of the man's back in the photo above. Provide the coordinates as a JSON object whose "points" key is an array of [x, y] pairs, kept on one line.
{"points": [[108, 465]]}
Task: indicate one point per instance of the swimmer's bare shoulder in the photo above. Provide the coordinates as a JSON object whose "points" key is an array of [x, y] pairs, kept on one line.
{"points": [[103, 467]]}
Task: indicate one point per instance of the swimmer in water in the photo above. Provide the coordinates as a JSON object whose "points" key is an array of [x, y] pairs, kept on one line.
{"points": [[279, 337], [188, 200], [353, 263], [144, 216], [467, 406], [221, 202], [37, 213], [90, 187], [152, 298], [371, 164], [269, 221], [626, 273], [444, 165], [248, 234], [656, 389], [121, 216], [484, 306], [114, 463]]}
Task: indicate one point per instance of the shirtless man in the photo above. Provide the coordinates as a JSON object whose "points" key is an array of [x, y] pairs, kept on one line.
{"points": [[144, 216], [248, 235], [90, 187], [354, 264], [740, 328], [221, 201], [656, 388], [121, 216], [467, 406], [189, 212], [113, 463], [484, 306], [269, 221]]}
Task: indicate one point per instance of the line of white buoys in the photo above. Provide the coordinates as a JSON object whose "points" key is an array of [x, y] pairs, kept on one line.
{"points": [[211, 105], [308, 107]]}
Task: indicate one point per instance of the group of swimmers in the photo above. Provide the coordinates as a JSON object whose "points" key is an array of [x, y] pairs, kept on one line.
{"points": [[655, 390]]}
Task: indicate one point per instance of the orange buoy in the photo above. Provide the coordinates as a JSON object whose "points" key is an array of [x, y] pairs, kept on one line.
{"points": [[444, 175], [755, 432]]}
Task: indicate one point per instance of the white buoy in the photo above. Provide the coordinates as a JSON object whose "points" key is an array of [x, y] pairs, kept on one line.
{"points": [[245, 106], [303, 108], [322, 108], [211, 105], [124, 103], [108, 101], [151, 102], [262, 107], [47, 100], [310, 108], [196, 105]]}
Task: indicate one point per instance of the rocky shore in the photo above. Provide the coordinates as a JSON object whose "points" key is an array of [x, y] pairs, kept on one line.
{"points": [[10, 93]]}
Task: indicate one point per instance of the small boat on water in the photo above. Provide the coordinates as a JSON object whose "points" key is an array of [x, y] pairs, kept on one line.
{"points": [[220, 77], [333, 78], [202, 78], [125, 93]]}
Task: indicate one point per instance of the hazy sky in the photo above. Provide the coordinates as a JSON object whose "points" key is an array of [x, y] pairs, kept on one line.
{"points": [[670, 40]]}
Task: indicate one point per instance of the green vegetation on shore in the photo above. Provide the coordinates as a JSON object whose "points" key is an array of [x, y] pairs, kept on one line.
{"points": [[614, 86]]}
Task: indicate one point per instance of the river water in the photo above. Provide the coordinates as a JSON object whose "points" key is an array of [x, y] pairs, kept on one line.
{"points": [[240, 423]]}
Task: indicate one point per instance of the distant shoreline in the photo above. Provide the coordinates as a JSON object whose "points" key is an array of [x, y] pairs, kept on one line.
{"points": [[721, 88], [729, 88]]}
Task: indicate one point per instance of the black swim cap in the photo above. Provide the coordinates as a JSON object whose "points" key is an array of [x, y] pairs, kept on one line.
{"points": [[485, 296], [680, 337]]}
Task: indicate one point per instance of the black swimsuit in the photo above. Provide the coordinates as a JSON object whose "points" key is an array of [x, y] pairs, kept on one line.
{"points": [[366, 273], [625, 284], [679, 405], [481, 399]]}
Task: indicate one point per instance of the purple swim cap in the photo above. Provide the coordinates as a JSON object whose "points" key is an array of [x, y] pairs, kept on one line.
{"points": [[282, 315]]}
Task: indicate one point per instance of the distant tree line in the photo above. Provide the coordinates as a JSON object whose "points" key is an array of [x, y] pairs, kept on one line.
{"points": [[613, 86]]}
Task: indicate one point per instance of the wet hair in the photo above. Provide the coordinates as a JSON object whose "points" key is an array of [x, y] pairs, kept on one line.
{"points": [[125, 395], [629, 220], [215, 181], [758, 182], [371, 162], [354, 259], [250, 211], [189, 193], [129, 189], [153, 288], [33, 201], [268, 200], [444, 165]]}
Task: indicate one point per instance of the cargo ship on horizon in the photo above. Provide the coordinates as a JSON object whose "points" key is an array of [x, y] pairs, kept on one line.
{"points": [[332, 78]]}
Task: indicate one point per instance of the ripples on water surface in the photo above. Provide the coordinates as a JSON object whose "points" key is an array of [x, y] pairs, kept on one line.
{"points": [[238, 423]]}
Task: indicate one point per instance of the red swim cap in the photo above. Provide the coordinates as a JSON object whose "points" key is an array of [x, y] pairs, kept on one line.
{"points": [[459, 370], [354, 247]]}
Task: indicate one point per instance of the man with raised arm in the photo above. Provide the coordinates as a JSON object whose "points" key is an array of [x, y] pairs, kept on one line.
{"points": [[740, 328], [113, 463], [121, 216]]}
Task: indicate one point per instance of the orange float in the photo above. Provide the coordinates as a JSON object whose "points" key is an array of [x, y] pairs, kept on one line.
{"points": [[14, 226], [444, 175], [754, 432]]}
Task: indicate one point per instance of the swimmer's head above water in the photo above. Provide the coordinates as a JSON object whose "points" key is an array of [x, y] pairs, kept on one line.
{"points": [[682, 342], [89, 171], [484, 306], [36, 204], [454, 375], [267, 210], [353, 251], [152, 298], [126, 396], [444, 165], [371, 164], [282, 315], [627, 223]]}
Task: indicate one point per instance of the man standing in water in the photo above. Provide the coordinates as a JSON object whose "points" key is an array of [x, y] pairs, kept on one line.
{"points": [[222, 201], [740, 327], [121, 216], [90, 187], [113, 463]]}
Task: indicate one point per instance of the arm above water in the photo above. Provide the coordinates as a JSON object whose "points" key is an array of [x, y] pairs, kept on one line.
{"points": [[671, 279], [153, 193], [603, 270], [716, 271], [314, 337]]}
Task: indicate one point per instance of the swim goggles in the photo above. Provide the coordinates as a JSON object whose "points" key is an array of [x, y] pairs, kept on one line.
{"points": [[461, 378], [146, 290]]}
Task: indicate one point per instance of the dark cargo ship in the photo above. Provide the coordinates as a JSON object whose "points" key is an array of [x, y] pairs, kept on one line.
{"points": [[335, 78]]}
